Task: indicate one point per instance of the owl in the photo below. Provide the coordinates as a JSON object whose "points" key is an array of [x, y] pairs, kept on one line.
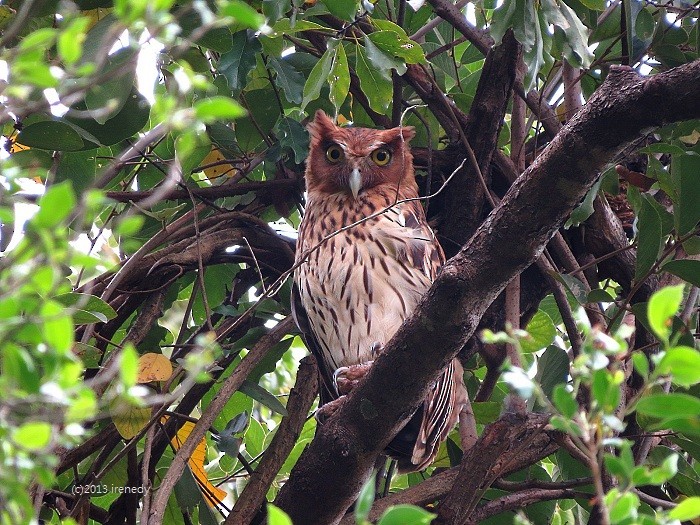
{"points": [[353, 292]]}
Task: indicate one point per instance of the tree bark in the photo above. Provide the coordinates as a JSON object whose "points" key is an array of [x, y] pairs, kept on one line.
{"points": [[330, 473]]}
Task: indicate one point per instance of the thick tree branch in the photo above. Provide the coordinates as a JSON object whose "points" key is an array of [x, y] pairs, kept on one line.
{"points": [[330, 473], [300, 399]]}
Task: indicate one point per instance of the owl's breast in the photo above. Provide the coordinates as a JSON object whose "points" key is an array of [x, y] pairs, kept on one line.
{"points": [[359, 287]]}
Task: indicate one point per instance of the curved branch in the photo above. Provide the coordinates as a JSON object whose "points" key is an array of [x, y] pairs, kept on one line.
{"points": [[330, 473]]}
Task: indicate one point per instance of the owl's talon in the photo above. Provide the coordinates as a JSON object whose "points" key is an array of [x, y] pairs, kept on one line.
{"points": [[376, 348], [346, 378], [340, 371]]}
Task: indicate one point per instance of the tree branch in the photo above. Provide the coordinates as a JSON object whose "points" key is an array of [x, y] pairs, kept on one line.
{"points": [[330, 473], [300, 399]]}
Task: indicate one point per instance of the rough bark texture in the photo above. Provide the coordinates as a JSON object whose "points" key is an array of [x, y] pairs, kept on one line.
{"points": [[330, 473], [467, 199]]}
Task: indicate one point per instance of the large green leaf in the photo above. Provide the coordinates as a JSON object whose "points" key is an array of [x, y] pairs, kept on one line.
{"points": [[339, 79], [375, 83], [236, 63], [649, 237], [264, 112], [131, 119], [55, 134], [289, 79], [686, 269], [344, 9], [319, 74], [394, 44], [106, 99], [686, 172]]}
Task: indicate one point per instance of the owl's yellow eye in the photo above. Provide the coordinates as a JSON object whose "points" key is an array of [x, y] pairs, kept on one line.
{"points": [[334, 153], [381, 156]]}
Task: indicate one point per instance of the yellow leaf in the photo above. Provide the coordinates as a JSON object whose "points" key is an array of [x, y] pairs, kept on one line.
{"points": [[153, 367], [215, 165], [16, 146], [129, 419], [213, 495]]}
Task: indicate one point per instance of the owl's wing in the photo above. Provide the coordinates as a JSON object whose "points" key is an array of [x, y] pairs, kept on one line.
{"points": [[440, 410], [302, 320], [440, 413]]}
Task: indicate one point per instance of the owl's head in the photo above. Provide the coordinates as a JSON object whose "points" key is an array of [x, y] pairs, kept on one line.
{"points": [[354, 160]]}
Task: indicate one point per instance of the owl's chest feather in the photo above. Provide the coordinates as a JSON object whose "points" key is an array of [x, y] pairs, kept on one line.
{"points": [[361, 284]]}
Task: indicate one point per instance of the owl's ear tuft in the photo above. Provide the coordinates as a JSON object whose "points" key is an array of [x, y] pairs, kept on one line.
{"points": [[320, 126], [402, 134], [408, 133]]}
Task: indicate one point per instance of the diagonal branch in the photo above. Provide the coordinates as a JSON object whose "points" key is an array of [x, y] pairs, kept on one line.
{"points": [[330, 473]]}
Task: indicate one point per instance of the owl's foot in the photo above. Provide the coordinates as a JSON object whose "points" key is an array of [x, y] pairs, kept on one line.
{"points": [[346, 378], [327, 410]]}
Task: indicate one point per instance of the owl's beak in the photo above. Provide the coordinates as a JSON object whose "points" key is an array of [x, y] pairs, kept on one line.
{"points": [[355, 182]]}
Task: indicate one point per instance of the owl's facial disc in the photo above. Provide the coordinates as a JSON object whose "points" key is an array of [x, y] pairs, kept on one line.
{"points": [[355, 181]]}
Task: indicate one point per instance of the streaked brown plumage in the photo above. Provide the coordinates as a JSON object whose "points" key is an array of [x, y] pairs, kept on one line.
{"points": [[354, 292]]}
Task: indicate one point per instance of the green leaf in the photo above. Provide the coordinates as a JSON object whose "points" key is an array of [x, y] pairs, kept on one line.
{"points": [[585, 209], [649, 237], [685, 170], [382, 61], [218, 108], [343, 9], [277, 516], [339, 79], [289, 79], [69, 44], [54, 206], [669, 406], [275, 9], [406, 515], [598, 5], [564, 401], [552, 369], [106, 99], [394, 44], [682, 363], [264, 110], [254, 437], [542, 332], [292, 135], [128, 365], [261, 395], [243, 13], [662, 307], [365, 500], [486, 411], [87, 303], [606, 389], [34, 435], [623, 507], [686, 510], [83, 407], [599, 296], [375, 83], [240, 60], [319, 74], [641, 364], [574, 286], [131, 119], [55, 134], [576, 34]]}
